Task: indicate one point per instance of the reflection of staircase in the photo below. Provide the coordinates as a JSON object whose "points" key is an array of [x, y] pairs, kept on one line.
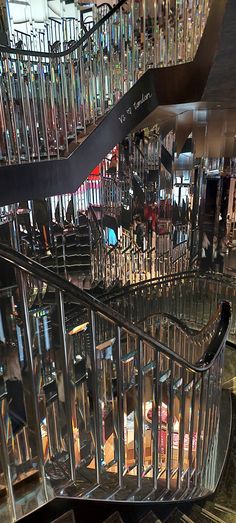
{"points": [[211, 512], [77, 91], [84, 246], [70, 254]]}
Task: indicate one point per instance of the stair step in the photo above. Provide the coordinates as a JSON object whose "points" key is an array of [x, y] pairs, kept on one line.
{"points": [[114, 518], [202, 515], [224, 513], [150, 518], [179, 517]]}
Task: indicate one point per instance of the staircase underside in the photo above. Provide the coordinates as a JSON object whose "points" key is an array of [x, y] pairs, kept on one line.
{"points": [[161, 88]]}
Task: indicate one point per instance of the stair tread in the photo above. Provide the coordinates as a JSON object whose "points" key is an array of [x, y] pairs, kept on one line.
{"points": [[114, 518], [223, 513], [178, 517], [202, 515], [150, 518]]}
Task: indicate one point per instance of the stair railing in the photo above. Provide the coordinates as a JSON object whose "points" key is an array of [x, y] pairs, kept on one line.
{"points": [[190, 296], [106, 408], [48, 99]]}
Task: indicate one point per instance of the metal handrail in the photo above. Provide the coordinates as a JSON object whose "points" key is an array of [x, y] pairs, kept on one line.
{"points": [[8, 49], [175, 277], [152, 281], [193, 333], [36, 270]]}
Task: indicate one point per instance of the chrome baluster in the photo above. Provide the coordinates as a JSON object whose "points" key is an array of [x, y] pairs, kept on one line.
{"points": [[41, 97], [82, 90], [67, 384], [182, 422], [169, 457], [9, 74], [140, 413], [32, 105], [29, 382], [97, 421], [4, 456], [120, 409], [6, 138]]}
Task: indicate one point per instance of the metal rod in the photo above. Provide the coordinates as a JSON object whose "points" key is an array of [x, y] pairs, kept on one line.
{"points": [[30, 371], [67, 386], [140, 413], [97, 420], [4, 458], [120, 407]]}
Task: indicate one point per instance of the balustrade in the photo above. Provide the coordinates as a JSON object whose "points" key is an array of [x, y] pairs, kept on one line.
{"points": [[103, 409], [48, 99]]}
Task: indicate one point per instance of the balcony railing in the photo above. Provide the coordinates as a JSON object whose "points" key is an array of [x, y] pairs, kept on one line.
{"points": [[92, 405], [55, 34], [48, 99]]}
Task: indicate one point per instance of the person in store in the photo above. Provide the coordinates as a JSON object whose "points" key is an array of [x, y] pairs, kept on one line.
{"points": [[215, 251], [42, 220], [205, 253], [222, 251], [140, 233]]}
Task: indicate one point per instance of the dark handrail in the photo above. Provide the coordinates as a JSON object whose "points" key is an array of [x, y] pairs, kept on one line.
{"points": [[8, 49], [152, 281], [218, 338], [19, 261], [222, 278], [98, 226], [193, 333]]}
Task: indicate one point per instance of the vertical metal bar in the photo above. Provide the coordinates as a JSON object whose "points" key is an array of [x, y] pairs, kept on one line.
{"points": [[192, 420], [6, 464], [144, 36], [208, 411], [120, 407], [181, 427], [30, 367], [97, 420], [140, 412], [170, 426], [65, 371], [199, 435], [156, 421]]}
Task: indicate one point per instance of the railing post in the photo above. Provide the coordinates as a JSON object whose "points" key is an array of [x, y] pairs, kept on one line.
{"points": [[97, 420], [120, 407], [140, 412], [65, 372], [4, 459], [170, 427], [30, 368], [156, 422]]}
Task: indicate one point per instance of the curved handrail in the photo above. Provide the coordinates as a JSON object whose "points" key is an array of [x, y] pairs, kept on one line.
{"points": [[209, 354], [152, 281], [214, 276], [19, 261], [29, 52], [180, 323]]}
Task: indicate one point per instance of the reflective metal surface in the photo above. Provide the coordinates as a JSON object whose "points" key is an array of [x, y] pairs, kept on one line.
{"points": [[144, 413], [191, 297], [48, 100]]}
